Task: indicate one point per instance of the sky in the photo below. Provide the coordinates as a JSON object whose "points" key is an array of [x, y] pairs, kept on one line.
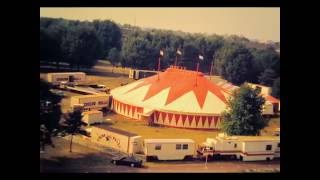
{"points": [[262, 24]]}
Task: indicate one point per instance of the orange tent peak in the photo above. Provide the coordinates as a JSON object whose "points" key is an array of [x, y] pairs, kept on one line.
{"points": [[180, 82]]}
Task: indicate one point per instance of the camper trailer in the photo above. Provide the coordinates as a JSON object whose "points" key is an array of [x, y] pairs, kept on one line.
{"points": [[91, 102], [66, 77], [168, 149], [92, 117], [246, 148], [117, 139]]}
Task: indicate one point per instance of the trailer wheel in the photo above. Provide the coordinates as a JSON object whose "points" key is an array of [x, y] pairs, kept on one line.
{"points": [[241, 158], [268, 159]]}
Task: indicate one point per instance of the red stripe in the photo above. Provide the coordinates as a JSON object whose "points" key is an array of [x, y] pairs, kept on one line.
{"points": [[170, 117], [203, 119], [245, 153], [209, 120], [204, 129]]}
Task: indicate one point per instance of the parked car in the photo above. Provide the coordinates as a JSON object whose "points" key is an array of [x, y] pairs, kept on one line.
{"points": [[127, 160]]}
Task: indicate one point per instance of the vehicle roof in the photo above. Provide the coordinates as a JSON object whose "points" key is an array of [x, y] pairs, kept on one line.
{"points": [[169, 141], [67, 73], [92, 112], [119, 131], [90, 96], [249, 138]]}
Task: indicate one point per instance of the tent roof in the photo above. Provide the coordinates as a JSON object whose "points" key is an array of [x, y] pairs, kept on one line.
{"points": [[174, 90]]}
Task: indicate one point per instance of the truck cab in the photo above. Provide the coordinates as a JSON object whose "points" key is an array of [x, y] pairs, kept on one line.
{"points": [[206, 148]]}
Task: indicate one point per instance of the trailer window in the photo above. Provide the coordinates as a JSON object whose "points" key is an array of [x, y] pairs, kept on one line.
{"points": [[235, 145], [278, 145], [185, 146], [158, 147], [268, 147], [178, 146]]}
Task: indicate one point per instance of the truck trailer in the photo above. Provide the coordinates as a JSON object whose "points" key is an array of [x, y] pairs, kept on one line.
{"points": [[139, 74], [90, 102], [168, 149], [246, 148], [69, 77], [117, 139]]}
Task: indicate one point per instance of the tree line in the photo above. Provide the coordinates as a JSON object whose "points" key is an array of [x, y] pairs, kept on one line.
{"points": [[81, 43]]}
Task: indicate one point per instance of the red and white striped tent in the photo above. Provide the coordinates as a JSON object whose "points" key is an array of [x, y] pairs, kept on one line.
{"points": [[177, 97]]}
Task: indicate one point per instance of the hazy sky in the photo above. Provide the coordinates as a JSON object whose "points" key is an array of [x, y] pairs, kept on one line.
{"points": [[254, 23]]}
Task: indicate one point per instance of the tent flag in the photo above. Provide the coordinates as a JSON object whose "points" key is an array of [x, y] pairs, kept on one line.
{"points": [[179, 52], [161, 53], [200, 57]]}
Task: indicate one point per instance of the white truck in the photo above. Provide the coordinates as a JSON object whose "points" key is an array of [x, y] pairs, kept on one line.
{"points": [[117, 139], [90, 102], [92, 117], [66, 77], [168, 149], [246, 148]]}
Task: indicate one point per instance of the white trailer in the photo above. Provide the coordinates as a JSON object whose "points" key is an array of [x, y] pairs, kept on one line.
{"points": [[90, 102], [168, 149], [246, 148], [268, 109], [92, 117], [70, 77], [138, 74], [117, 139]]}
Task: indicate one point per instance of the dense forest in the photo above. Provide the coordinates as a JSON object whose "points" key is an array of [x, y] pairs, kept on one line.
{"points": [[82, 43]]}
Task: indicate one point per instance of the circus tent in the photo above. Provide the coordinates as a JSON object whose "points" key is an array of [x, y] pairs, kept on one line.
{"points": [[176, 97]]}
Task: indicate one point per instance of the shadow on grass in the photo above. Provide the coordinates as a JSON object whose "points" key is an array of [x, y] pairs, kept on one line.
{"points": [[77, 163]]}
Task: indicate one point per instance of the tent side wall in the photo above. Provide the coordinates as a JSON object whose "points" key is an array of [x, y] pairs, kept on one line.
{"points": [[190, 121]]}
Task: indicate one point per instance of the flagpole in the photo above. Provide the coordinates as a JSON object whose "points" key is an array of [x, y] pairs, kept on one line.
{"points": [[159, 68], [175, 63], [211, 69], [197, 72]]}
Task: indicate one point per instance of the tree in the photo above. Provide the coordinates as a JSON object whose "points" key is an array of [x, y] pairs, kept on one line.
{"points": [[81, 46], [244, 112], [74, 122], [109, 35], [267, 77], [50, 113], [234, 63], [276, 88], [114, 57], [265, 59]]}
